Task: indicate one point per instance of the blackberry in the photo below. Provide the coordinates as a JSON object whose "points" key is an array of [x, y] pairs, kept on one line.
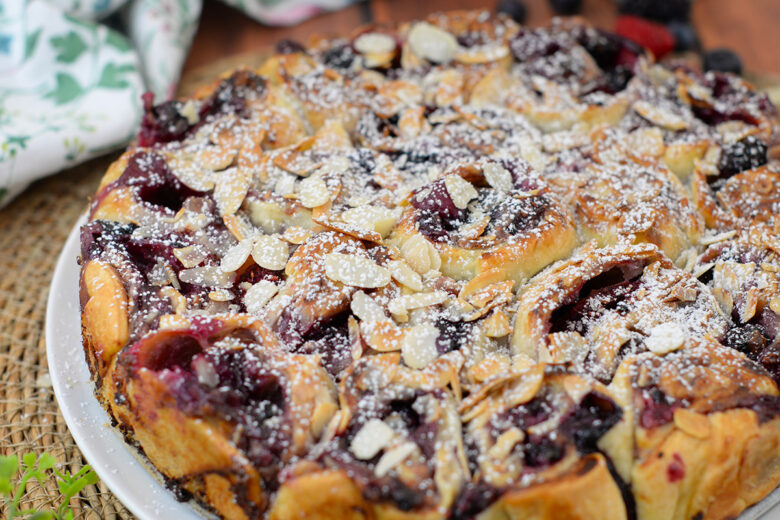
{"points": [[660, 10], [685, 37], [566, 6], [341, 57], [723, 60], [515, 9], [746, 154]]}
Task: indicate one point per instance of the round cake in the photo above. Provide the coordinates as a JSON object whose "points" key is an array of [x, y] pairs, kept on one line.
{"points": [[450, 269]]}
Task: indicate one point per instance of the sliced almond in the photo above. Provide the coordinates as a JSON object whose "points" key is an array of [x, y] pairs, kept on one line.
{"points": [[506, 443], [371, 439], [497, 325], [420, 254], [374, 43], [366, 308], [208, 276], [258, 296], [460, 190], [419, 346], [481, 54], [498, 177], [313, 192], [270, 252], [191, 174], [230, 190], [267, 215], [221, 295], [236, 256], [393, 457], [405, 275], [382, 335], [190, 256], [399, 307], [660, 116], [432, 43], [749, 306], [372, 218], [665, 338], [215, 158], [354, 270]]}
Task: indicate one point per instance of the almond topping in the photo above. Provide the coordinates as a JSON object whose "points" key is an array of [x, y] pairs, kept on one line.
{"points": [[372, 218], [461, 191], [236, 256], [419, 346], [230, 190], [207, 275], [398, 307], [270, 252], [374, 43], [665, 338], [394, 457], [190, 256], [432, 43], [366, 308], [221, 295], [420, 254], [505, 443], [313, 192], [660, 116], [371, 439], [355, 270], [258, 295], [498, 177], [405, 275]]}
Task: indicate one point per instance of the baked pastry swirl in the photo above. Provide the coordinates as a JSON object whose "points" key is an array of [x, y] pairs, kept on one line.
{"points": [[454, 268]]}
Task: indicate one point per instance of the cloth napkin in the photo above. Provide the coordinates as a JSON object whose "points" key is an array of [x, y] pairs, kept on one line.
{"points": [[72, 73]]}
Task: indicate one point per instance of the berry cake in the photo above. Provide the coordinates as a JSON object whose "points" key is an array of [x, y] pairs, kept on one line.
{"points": [[455, 268]]}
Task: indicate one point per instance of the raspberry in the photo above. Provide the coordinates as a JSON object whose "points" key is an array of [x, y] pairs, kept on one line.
{"points": [[653, 36]]}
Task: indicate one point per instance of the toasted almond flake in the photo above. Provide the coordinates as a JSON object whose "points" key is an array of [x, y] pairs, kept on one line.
{"points": [[498, 177], [405, 275], [191, 174], [190, 256], [372, 218], [221, 295], [505, 443], [190, 111], [701, 269], [285, 184], [230, 190], [497, 325], [432, 43], [371, 439], [665, 338], [694, 424], [258, 296], [207, 275], [774, 304], [646, 141], [419, 346], [313, 192], [267, 215], [354, 270], [461, 191], [481, 54], [366, 308], [382, 335], [215, 158], [749, 306], [399, 306], [374, 43], [420, 254], [296, 235], [660, 116], [393, 457], [577, 387], [720, 237], [236, 256], [270, 252]]}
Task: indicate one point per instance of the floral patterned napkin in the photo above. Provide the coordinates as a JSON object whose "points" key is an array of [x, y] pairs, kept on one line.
{"points": [[72, 73]]}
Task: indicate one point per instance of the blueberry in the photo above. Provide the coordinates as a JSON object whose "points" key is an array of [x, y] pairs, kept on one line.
{"points": [[515, 9], [685, 37], [745, 154], [660, 10], [566, 6], [723, 60]]}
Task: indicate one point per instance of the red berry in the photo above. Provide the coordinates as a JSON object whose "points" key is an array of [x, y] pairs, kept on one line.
{"points": [[655, 37]]}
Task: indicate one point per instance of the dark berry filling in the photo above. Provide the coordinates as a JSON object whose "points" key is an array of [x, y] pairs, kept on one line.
{"points": [[733, 101], [453, 335], [437, 214], [657, 408], [609, 291], [594, 416], [161, 123], [746, 154], [339, 57], [473, 498]]}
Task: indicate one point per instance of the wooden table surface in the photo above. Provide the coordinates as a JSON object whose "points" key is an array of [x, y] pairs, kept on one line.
{"points": [[750, 27]]}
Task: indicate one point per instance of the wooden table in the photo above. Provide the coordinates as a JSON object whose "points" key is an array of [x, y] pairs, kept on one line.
{"points": [[750, 27]]}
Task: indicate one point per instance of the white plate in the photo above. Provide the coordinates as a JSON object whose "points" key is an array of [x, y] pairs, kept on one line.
{"points": [[104, 448]]}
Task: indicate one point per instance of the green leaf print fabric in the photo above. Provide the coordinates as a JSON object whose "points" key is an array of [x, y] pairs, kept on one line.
{"points": [[70, 85]]}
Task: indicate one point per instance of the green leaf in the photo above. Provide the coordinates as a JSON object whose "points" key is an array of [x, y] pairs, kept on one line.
{"points": [[42, 515], [68, 47], [8, 466], [112, 76], [30, 43], [29, 460], [67, 89], [117, 41], [46, 461]]}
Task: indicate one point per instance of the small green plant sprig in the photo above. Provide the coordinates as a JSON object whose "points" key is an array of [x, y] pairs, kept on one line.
{"points": [[39, 468]]}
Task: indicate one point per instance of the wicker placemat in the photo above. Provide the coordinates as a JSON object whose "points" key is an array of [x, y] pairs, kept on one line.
{"points": [[33, 229]]}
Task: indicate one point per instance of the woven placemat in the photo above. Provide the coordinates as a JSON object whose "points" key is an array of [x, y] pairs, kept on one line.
{"points": [[33, 229]]}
